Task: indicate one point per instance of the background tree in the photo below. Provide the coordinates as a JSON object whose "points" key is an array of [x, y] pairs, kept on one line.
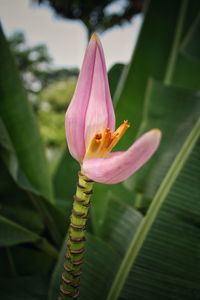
{"points": [[35, 64], [97, 15], [53, 101]]}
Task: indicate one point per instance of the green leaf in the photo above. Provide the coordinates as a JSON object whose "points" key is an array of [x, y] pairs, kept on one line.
{"points": [[15, 205], [12, 233], [26, 217], [175, 111], [114, 75], [168, 235], [65, 179], [51, 216], [190, 45], [187, 72], [101, 264], [100, 200], [20, 123], [29, 260], [186, 68], [24, 288], [120, 223], [150, 59]]}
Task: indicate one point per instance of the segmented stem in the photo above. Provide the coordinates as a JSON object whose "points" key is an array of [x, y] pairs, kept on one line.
{"points": [[69, 288]]}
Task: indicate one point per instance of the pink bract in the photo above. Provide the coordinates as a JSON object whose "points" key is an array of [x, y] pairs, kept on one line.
{"points": [[91, 108], [90, 113]]}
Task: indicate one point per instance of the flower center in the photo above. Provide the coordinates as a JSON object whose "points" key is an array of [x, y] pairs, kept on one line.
{"points": [[102, 143]]}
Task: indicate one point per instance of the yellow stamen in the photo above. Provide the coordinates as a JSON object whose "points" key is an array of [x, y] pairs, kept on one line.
{"points": [[103, 143], [106, 136], [118, 134], [94, 145]]}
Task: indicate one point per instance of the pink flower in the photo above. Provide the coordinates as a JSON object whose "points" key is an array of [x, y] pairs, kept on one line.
{"points": [[90, 125]]}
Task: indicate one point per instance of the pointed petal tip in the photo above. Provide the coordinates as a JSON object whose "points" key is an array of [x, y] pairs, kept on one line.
{"points": [[95, 38], [157, 133]]}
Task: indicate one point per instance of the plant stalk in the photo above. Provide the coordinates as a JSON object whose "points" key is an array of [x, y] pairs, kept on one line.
{"points": [[76, 240]]}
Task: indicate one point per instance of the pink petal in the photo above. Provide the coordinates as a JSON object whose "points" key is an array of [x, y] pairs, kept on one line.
{"points": [[100, 112], [91, 108], [120, 165], [76, 112]]}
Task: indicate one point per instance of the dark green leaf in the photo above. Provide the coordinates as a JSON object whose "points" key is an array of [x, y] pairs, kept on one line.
{"points": [[65, 179], [120, 224], [29, 260], [191, 44], [24, 288], [20, 123], [51, 216], [102, 195], [186, 69], [174, 110], [114, 75], [15, 204], [150, 59], [12, 233]]}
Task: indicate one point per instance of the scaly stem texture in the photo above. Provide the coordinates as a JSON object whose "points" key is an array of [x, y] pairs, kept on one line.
{"points": [[69, 288]]}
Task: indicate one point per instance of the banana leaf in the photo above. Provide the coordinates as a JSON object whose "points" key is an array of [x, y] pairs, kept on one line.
{"points": [[174, 110], [20, 123], [150, 59], [163, 255]]}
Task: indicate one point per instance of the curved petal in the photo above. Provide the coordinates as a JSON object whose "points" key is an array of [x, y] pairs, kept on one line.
{"points": [[119, 166], [100, 112], [76, 112]]}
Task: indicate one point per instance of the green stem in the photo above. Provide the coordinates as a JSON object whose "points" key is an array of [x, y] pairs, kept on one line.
{"points": [[76, 240], [176, 43], [148, 220]]}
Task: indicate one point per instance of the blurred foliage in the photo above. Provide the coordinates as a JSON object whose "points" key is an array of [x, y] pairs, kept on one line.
{"points": [[114, 75], [58, 94], [49, 89], [129, 255], [33, 62], [97, 15], [53, 101]]}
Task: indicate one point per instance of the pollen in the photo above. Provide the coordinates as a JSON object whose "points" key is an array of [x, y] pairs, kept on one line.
{"points": [[103, 143]]}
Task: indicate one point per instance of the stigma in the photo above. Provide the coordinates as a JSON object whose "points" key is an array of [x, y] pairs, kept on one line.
{"points": [[103, 142]]}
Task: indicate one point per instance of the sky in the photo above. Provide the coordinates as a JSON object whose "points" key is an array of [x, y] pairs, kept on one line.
{"points": [[66, 40]]}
